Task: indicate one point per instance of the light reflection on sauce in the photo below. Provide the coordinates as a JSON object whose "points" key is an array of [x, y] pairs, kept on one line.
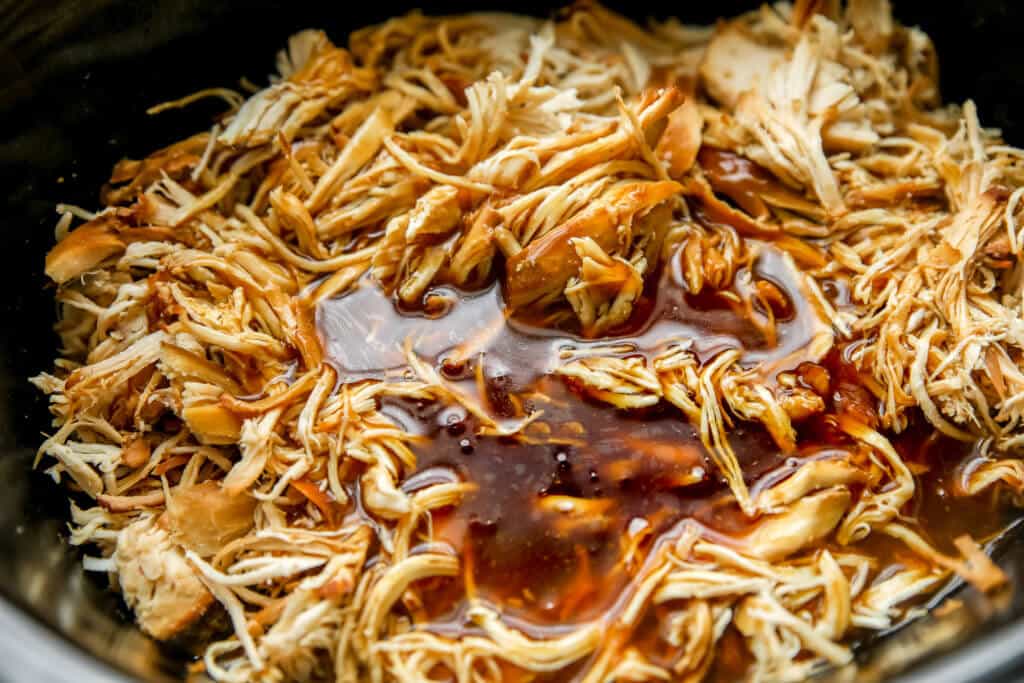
{"points": [[364, 335]]}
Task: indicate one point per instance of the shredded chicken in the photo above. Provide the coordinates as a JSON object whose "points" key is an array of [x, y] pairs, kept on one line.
{"points": [[582, 163]]}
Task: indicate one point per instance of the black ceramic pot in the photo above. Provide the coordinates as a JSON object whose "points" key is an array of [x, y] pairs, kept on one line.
{"points": [[75, 79]]}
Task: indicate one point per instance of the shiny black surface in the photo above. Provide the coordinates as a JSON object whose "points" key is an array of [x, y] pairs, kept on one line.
{"points": [[75, 79]]}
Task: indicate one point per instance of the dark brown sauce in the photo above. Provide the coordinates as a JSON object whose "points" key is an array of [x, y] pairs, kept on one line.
{"points": [[937, 462], [739, 179], [943, 510], [632, 475], [637, 474], [719, 320], [364, 334]]}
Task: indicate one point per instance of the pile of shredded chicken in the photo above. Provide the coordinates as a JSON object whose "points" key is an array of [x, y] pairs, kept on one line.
{"points": [[220, 462]]}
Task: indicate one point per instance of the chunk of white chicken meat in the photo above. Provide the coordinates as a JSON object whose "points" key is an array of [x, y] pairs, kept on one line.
{"points": [[158, 583]]}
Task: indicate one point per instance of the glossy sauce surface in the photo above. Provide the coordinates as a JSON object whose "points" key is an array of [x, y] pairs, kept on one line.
{"points": [[559, 525], [365, 335], [740, 179], [563, 517]]}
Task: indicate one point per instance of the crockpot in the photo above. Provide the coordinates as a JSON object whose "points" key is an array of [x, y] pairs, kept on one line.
{"points": [[76, 77]]}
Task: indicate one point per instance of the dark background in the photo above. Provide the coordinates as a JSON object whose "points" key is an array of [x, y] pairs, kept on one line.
{"points": [[75, 80]]}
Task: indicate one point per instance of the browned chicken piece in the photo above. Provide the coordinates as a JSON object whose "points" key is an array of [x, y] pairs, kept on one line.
{"points": [[799, 399], [603, 294], [135, 452], [473, 254], [800, 403], [750, 186], [814, 376], [204, 517], [538, 273], [178, 362], [212, 423], [715, 210], [681, 139], [894, 192], [157, 582], [83, 249], [92, 243], [131, 177], [854, 400]]}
